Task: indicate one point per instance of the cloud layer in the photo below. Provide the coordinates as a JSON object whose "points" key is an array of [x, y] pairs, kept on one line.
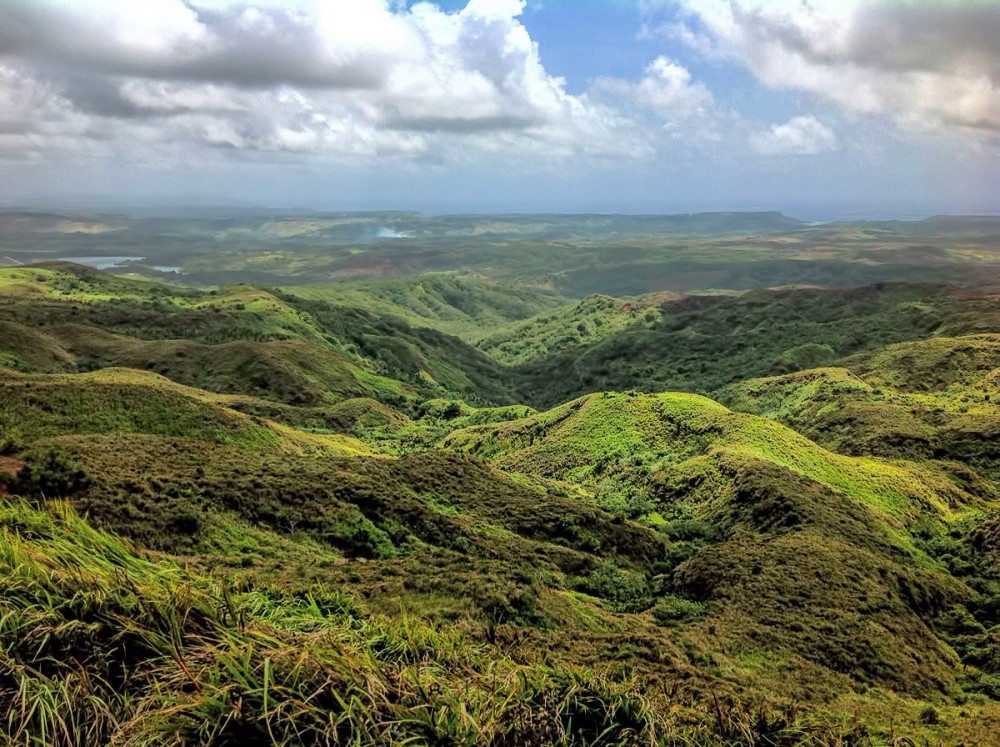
{"points": [[393, 92], [351, 78], [928, 65]]}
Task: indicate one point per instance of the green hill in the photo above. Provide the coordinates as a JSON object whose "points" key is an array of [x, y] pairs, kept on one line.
{"points": [[293, 371], [702, 343], [771, 538], [240, 339], [574, 326], [468, 307], [932, 365], [601, 435], [36, 407], [438, 363], [31, 350], [932, 398], [336, 520]]}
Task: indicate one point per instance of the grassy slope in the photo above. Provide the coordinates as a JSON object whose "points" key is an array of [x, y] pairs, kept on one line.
{"points": [[117, 400], [787, 544], [467, 307], [31, 349], [106, 645], [292, 371], [160, 655], [587, 322], [237, 340], [439, 363], [931, 398], [171, 493], [703, 343], [597, 434]]}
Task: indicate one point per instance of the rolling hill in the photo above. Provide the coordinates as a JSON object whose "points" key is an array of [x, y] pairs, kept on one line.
{"points": [[702, 343], [332, 512]]}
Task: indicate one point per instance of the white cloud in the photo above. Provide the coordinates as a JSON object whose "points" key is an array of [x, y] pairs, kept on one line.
{"points": [[35, 120], [685, 108], [666, 88], [350, 78], [929, 66], [799, 136]]}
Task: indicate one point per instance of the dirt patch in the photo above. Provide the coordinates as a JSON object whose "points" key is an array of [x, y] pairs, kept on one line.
{"points": [[11, 466]]}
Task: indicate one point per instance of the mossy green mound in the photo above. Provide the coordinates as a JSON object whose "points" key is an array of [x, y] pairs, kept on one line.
{"points": [[929, 399], [119, 400], [604, 434]]}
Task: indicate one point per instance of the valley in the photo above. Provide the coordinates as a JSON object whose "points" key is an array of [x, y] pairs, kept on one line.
{"points": [[376, 478]]}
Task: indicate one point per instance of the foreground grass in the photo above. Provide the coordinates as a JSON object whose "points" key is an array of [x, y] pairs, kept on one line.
{"points": [[103, 646]]}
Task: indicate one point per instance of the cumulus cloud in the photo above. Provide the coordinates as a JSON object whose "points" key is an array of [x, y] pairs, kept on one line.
{"points": [[352, 77], [930, 66], [35, 119], [168, 39], [669, 92], [799, 136]]}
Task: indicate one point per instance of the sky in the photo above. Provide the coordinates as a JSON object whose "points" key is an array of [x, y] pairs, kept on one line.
{"points": [[822, 109]]}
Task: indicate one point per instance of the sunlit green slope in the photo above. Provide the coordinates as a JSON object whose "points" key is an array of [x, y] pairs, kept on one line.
{"points": [[238, 340], [702, 343], [469, 307], [936, 398]]}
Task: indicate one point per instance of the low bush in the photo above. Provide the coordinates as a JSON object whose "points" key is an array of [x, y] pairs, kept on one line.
{"points": [[49, 473], [671, 610]]}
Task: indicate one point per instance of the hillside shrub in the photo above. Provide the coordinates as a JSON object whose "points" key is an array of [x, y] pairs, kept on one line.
{"points": [[624, 590], [49, 473], [357, 536], [617, 495], [11, 440], [988, 685], [671, 610]]}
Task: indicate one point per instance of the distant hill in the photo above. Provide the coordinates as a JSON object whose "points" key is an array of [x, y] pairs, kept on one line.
{"points": [[701, 343], [240, 339], [467, 307], [564, 255]]}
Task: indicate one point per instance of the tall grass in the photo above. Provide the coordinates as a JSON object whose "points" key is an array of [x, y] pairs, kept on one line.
{"points": [[100, 645]]}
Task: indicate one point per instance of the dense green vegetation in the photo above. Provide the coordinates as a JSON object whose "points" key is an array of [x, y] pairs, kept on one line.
{"points": [[332, 512], [238, 340], [702, 343], [572, 255], [465, 306]]}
